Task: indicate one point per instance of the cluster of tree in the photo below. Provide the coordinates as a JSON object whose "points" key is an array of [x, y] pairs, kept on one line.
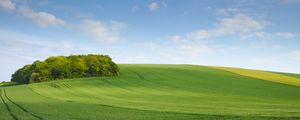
{"points": [[61, 67]]}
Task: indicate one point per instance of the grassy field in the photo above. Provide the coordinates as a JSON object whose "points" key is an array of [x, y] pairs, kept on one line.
{"points": [[159, 92]]}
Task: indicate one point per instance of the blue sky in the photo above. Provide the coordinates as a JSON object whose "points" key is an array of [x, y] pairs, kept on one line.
{"points": [[238, 33]]}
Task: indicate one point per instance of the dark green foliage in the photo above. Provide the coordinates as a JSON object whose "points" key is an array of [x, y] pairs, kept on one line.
{"points": [[61, 67], [22, 75]]}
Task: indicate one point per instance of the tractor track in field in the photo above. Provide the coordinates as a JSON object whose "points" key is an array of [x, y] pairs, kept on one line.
{"points": [[138, 74], [20, 107], [67, 90], [7, 107], [67, 85]]}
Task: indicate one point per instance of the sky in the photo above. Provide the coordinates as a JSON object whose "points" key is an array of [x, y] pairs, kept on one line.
{"points": [[255, 34]]}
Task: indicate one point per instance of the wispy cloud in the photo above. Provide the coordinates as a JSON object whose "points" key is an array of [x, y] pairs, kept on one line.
{"points": [[233, 22], [286, 34], [100, 31], [43, 19], [94, 29], [7, 5], [228, 11], [236, 22], [153, 6]]}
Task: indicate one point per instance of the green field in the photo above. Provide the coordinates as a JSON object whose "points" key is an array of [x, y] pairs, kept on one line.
{"points": [[154, 92]]}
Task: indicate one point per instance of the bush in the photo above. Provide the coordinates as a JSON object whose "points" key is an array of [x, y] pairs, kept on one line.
{"points": [[62, 67]]}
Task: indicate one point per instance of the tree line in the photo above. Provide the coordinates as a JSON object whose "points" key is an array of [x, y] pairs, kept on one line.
{"points": [[62, 67]]}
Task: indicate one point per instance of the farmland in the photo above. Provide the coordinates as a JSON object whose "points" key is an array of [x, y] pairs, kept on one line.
{"points": [[159, 92]]}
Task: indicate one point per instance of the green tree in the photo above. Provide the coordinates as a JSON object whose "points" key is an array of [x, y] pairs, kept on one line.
{"points": [[22, 75], [93, 65], [40, 72], [61, 67], [78, 67]]}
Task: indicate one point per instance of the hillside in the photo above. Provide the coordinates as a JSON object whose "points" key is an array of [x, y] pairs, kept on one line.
{"points": [[159, 92]]}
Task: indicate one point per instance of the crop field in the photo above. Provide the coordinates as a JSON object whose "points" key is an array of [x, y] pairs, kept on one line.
{"points": [[274, 77], [157, 92]]}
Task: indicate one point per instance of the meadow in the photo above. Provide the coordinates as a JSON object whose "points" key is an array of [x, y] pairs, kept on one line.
{"points": [[158, 92]]}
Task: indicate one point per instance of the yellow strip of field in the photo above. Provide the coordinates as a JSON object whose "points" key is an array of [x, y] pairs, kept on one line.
{"points": [[264, 75]]}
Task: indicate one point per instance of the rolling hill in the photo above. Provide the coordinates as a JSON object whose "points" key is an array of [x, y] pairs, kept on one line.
{"points": [[159, 92]]}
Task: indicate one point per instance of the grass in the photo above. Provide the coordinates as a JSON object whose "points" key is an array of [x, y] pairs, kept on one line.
{"points": [[157, 92]]}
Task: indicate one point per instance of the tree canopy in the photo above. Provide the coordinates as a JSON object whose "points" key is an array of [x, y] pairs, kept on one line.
{"points": [[62, 67]]}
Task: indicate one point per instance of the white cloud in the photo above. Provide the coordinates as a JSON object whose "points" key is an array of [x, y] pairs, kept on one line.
{"points": [[236, 24], [286, 34], [95, 29], [228, 11], [7, 5], [43, 19], [240, 23], [266, 38], [153, 6], [100, 31], [233, 23]]}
